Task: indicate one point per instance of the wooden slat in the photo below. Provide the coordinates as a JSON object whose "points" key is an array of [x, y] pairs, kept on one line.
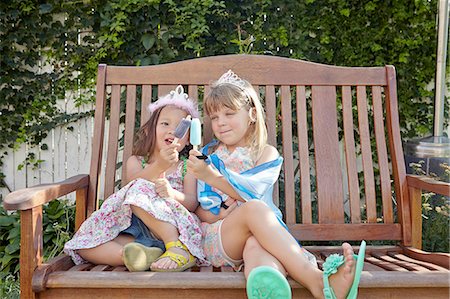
{"points": [[81, 267], [100, 268], [146, 99], [271, 122], [207, 130], [257, 69], [303, 155], [130, 117], [165, 89], [441, 259], [193, 92], [385, 265], [113, 140], [81, 207], [429, 266], [366, 153], [350, 155], [119, 269], [206, 269], [97, 145], [326, 147], [288, 154], [405, 264], [353, 231], [383, 163], [397, 157]]}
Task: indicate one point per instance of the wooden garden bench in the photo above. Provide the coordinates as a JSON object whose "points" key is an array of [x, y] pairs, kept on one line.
{"points": [[331, 190]]}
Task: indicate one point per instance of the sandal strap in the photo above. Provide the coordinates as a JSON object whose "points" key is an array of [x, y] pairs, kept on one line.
{"points": [[330, 267], [176, 257], [176, 244]]}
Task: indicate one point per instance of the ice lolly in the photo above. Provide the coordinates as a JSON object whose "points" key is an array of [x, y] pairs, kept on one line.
{"points": [[196, 133], [182, 128]]}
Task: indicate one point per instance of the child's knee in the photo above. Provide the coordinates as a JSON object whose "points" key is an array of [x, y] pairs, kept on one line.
{"points": [[251, 245], [256, 206]]}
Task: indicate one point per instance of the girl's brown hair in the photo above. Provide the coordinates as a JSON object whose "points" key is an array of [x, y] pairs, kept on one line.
{"points": [[145, 139]]}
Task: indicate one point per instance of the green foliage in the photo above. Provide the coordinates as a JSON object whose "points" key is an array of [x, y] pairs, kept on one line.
{"points": [[75, 36]]}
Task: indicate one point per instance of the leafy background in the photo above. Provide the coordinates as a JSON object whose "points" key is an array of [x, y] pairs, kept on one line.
{"points": [[74, 36]]}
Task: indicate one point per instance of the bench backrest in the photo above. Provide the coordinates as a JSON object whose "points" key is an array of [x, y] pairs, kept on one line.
{"points": [[336, 127]]}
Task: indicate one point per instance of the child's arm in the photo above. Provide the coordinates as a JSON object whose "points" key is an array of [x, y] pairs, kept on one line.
{"points": [[207, 216], [215, 179], [150, 172], [188, 197], [154, 170]]}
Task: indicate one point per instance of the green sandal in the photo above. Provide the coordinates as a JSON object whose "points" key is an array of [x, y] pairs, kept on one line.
{"points": [[182, 262], [267, 282], [138, 257], [331, 265]]}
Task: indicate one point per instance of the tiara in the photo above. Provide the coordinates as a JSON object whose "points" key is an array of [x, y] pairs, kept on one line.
{"points": [[177, 98], [231, 78]]}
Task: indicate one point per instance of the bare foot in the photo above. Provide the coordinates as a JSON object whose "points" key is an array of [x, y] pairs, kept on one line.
{"points": [[343, 279], [166, 262]]}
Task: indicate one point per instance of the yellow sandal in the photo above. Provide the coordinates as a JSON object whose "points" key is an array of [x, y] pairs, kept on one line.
{"points": [[182, 262]]}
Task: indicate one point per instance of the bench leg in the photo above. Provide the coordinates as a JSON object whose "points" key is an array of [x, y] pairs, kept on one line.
{"points": [[415, 196], [31, 248]]}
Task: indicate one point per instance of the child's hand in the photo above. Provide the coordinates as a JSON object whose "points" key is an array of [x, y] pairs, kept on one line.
{"points": [[232, 204], [163, 188], [198, 167], [169, 155]]}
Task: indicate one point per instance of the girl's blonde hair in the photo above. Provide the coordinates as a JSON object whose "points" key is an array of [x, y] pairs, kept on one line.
{"points": [[235, 97]]}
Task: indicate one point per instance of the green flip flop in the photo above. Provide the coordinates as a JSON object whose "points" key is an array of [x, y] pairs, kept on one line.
{"points": [[138, 257], [330, 267], [268, 283]]}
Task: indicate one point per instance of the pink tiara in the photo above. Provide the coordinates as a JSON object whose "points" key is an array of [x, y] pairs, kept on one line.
{"points": [[178, 99], [231, 78]]}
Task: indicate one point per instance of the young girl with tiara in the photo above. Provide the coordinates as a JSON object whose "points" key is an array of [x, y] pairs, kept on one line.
{"points": [[241, 222], [151, 213]]}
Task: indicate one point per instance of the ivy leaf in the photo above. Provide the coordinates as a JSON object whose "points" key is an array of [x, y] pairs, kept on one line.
{"points": [[148, 40], [6, 220], [45, 8], [345, 12]]}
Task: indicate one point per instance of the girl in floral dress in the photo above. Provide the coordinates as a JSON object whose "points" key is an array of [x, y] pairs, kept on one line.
{"points": [[152, 213], [241, 223]]}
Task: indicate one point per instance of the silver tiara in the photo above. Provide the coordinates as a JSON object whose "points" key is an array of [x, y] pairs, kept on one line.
{"points": [[231, 78]]}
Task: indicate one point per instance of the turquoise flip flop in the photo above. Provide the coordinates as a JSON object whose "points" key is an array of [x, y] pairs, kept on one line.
{"points": [[268, 283], [331, 265]]}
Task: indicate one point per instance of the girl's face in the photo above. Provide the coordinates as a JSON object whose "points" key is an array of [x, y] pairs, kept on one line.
{"points": [[231, 126], [168, 120]]}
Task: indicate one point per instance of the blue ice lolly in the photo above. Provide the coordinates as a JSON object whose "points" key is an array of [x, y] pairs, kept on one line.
{"points": [[182, 128]]}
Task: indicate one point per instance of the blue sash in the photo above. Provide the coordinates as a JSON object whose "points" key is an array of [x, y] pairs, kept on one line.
{"points": [[253, 184]]}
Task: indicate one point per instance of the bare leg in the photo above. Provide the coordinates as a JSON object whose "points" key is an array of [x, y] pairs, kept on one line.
{"points": [[109, 253], [254, 256], [256, 219], [163, 231]]}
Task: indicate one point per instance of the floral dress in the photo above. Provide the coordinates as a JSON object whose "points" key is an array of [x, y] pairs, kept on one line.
{"points": [[114, 216]]}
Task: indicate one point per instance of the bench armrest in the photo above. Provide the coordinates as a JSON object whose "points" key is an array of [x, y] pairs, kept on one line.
{"points": [[28, 198], [417, 184], [424, 183]]}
